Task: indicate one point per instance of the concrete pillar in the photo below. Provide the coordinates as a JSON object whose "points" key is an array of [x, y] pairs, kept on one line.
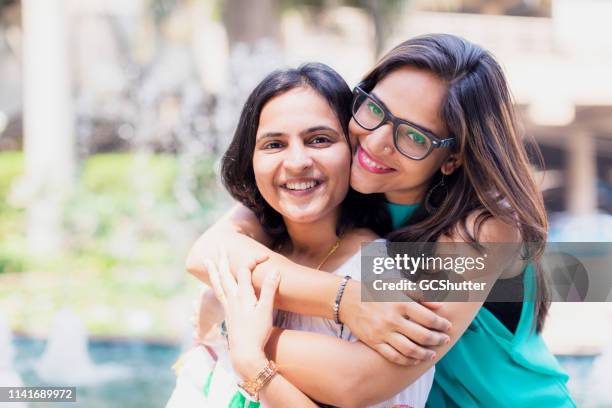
{"points": [[582, 173], [48, 122]]}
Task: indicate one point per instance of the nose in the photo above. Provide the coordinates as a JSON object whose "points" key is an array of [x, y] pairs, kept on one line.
{"points": [[380, 141], [298, 158]]}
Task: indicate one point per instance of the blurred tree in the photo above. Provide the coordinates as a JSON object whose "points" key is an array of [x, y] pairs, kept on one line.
{"points": [[382, 12], [6, 3], [248, 21], [383, 15], [530, 8]]}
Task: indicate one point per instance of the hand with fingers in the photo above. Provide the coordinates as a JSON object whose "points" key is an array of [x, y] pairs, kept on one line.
{"points": [[402, 332], [248, 319]]}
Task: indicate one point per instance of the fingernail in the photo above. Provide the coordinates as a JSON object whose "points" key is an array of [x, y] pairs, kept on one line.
{"points": [[433, 356]]}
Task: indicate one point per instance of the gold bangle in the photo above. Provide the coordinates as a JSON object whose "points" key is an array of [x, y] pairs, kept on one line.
{"points": [[253, 386]]}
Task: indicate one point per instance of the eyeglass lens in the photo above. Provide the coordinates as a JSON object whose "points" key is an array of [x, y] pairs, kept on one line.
{"points": [[369, 115]]}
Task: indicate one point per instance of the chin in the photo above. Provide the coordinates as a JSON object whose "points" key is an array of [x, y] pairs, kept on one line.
{"points": [[360, 184], [303, 217], [363, 188]]}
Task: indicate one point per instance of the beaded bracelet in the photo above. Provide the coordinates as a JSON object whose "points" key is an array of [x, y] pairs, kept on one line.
{"points": [[339, 297]]}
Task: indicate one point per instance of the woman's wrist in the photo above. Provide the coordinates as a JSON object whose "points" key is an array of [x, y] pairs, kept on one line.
{"points": [[350, 302], [248, 365]]}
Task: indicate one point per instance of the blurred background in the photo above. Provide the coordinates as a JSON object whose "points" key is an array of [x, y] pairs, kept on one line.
{"points": [[113, 115]]}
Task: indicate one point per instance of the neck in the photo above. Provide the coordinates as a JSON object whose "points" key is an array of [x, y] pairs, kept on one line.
{"points": [[311, 242], [405, 197]]}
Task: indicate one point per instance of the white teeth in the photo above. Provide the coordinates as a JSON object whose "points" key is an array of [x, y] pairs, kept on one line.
{"points": [[301, 186], [372, 163]]}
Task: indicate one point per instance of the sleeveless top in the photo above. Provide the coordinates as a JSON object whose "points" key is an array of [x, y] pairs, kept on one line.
{"points": [[490, 366]]}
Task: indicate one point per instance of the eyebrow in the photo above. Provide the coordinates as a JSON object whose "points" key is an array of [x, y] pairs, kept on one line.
{"points": [[318, 129], [313, 129], [268, 135], [419, 126]]}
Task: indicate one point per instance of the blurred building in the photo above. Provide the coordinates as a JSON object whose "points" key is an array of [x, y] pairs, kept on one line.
{"points": [[134, 64], [558, 67]]}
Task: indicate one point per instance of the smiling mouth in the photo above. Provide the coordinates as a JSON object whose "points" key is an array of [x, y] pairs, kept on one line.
{"points": [[301, 187], [371, 165]]}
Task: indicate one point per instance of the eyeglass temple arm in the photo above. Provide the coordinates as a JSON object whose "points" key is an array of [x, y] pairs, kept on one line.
{"points": [[447, 143]]}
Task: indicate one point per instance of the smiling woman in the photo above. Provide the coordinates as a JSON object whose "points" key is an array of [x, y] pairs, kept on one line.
{"points": [[299, 145], [420, 135], [287, 144]]}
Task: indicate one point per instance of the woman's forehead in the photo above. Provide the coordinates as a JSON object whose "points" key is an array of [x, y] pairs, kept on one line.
{"points": [[298, 107], [415, 95]]}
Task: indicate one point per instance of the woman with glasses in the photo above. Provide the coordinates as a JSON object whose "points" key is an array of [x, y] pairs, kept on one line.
{"points": [[434, 132]]}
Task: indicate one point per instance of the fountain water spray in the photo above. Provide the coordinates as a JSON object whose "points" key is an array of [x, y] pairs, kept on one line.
{"points": [[8, 374], [598, 386], [66, 360]]}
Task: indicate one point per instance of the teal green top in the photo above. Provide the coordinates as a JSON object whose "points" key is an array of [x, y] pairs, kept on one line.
{"points": [[400, 213], [489, 366]]}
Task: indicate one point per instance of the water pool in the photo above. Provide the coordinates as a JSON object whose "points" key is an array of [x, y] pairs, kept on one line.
{"points": [[151, 380]]}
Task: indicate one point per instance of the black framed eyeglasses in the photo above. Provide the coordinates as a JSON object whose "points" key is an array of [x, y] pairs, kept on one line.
{"points": [[410, 139]]}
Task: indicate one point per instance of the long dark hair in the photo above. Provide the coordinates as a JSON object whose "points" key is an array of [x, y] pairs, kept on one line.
{"points": [[357, 210], [494, 179]]}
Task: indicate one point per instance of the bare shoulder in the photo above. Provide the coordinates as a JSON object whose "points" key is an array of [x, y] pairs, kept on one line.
{"points": [[353, 239], [362, 235], [490, 229]]}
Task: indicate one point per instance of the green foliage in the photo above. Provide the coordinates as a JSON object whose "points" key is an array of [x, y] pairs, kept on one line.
{"points": [[12, 222], [116, 174], [121, 256], [11, 166], [12, 261]]}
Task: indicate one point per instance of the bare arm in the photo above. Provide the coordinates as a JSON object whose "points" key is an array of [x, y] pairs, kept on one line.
{"points": [[303, 290], [351, 374], [346, 374], [249, 322], [360, 376], [399, 334]]}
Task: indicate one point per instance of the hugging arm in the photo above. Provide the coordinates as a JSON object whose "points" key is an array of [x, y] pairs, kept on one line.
{"points": [[360, 376], [401, 332], [350, 374], [241, 236]]}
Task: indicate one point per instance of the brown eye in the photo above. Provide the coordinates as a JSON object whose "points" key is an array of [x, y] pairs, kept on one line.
{"points": [[320, 140], [272, 145]]}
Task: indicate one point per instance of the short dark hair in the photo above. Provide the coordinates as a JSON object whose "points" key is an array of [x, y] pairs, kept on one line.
{"points": [[357, 210]]}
